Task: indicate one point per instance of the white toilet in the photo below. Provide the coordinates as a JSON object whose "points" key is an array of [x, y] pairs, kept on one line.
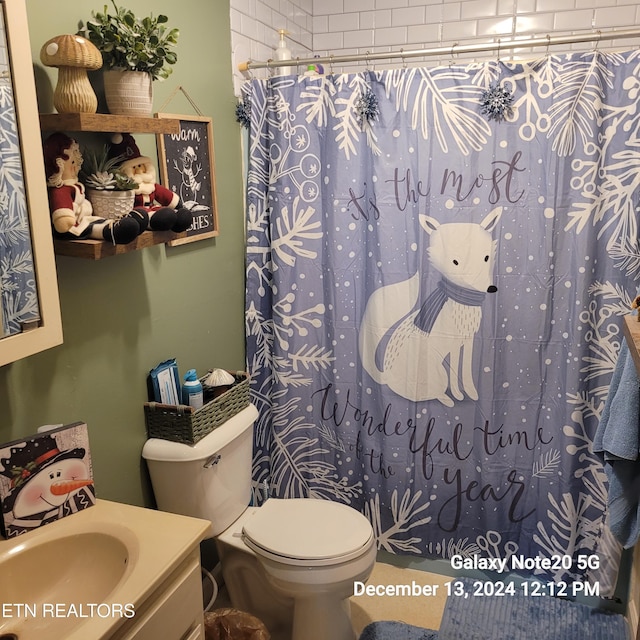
{"points": [[292, 563]]}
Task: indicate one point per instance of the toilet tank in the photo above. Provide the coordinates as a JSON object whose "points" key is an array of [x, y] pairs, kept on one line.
{"points": [[209, 480]]}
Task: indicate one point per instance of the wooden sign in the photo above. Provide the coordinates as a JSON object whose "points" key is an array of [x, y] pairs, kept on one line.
{"points": [[187, 168]]}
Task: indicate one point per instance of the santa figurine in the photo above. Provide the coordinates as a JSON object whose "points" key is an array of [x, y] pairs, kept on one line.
{"points": [[71, 213], [163, 206]]}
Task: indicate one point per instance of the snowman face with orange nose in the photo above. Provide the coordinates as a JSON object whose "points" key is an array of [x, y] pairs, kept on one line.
{"points": [[51, 488], [43, 477]]}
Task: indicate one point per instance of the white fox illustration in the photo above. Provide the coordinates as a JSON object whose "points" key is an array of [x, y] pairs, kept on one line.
{"points": [[405, 339]]}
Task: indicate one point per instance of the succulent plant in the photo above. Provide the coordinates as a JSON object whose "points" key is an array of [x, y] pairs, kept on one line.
{"points": [[101, 172], [101, 180], [124, 182]]}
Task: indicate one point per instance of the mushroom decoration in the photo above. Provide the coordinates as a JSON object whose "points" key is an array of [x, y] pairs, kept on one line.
{"points": [[74, 56]]}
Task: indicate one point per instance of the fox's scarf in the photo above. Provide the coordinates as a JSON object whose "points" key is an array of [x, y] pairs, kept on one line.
{"points": [[446, 290]]}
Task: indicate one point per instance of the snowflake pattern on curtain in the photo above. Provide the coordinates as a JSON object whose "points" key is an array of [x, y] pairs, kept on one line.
{"points": [[458, 417]]}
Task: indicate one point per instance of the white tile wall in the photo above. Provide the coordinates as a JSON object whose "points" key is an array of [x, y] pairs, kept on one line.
{"points": [[255, 25], [335, 27]]}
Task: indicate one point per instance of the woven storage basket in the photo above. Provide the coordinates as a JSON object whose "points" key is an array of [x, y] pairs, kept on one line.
{"points": [[182, 424]]}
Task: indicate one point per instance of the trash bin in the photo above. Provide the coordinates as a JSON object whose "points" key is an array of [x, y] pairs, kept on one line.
{"points": [[232, 624]]}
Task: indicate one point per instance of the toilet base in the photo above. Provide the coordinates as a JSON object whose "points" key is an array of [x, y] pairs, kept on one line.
{"points": [[294, 601], [311, 622], [249, 590]]}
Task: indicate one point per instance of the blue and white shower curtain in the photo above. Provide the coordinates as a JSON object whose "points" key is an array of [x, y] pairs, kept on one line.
{"points": [[438, 262]]}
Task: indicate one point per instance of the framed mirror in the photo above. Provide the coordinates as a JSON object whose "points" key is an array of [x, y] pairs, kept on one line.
{"points": [[29, 306]]}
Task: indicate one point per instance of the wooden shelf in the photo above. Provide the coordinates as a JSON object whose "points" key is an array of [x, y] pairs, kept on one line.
{"points": [[107, 123], [99, 249], [631, 330]]}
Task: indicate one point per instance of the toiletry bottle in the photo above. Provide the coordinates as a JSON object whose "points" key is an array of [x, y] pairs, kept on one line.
{"points": [[192, 390], [282, 53]]}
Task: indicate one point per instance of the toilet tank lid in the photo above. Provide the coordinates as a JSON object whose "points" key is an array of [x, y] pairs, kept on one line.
{"points": [[168, 451]]}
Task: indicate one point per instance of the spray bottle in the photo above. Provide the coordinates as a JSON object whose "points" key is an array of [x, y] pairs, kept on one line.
{"points": [[282, 52], [192, 390]]}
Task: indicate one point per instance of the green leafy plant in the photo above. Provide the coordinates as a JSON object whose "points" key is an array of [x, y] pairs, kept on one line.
{"points": [[134, 44], [101, 172]]}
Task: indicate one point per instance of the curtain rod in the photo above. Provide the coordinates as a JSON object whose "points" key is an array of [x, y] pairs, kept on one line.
{"points": [[454, 49]]}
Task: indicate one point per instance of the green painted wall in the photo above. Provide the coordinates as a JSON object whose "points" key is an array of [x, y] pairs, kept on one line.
{"points": [[123, 315]]}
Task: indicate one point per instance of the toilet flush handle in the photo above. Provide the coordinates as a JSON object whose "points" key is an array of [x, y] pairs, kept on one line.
{"points": [[211, 461]]}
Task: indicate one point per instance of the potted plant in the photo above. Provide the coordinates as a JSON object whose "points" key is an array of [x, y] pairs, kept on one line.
{"points": [[133, 50], [109, 190]]}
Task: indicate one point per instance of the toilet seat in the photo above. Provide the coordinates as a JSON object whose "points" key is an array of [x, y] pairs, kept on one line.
{"points": [[307, 531]]}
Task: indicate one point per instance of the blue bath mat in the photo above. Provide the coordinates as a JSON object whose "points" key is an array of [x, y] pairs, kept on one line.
{"points": [[396, 631], [520, 617], [513, 617]]}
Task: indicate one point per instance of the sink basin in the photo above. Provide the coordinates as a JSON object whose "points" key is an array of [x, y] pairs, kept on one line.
{"points": [[56, 583], [81, 568], [91, 575]]}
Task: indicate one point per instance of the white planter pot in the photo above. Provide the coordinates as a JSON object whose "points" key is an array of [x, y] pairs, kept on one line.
{"points": [[128, 93], [111, 204]]}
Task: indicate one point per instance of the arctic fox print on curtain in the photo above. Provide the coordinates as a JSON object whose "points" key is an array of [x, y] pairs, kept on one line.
{"points": [[434, 300], [427, 344]]}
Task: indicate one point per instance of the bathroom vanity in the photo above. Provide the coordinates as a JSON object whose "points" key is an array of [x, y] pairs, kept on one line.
{"points": [[109, 572]]}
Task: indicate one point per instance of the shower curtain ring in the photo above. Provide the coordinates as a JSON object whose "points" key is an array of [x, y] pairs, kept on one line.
{"points": [[404, 62], [366, 60], [499, 45], [453, 46], [331, 63], [548, 45], [595, 48]]}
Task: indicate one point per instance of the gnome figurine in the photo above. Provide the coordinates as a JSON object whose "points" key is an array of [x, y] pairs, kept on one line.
{"points": [[163, 206], [71, 212]]}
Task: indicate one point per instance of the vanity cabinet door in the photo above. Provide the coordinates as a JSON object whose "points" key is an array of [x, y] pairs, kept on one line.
{"points": [[174, 611], [29, 306], [196, 634]]}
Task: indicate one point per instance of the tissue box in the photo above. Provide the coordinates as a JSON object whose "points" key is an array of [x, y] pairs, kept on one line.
{"points": [[181, 423]]}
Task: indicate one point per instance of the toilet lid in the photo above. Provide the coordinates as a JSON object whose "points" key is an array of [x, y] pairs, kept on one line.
{"points": [[307, 529]]}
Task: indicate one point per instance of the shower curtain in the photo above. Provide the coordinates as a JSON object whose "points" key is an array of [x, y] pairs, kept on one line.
{"points": [[438, 260]]}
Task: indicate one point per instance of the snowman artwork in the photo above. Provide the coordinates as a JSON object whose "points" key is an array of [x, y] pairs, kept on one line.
{"points": [[44, 478], [189, 171]]}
